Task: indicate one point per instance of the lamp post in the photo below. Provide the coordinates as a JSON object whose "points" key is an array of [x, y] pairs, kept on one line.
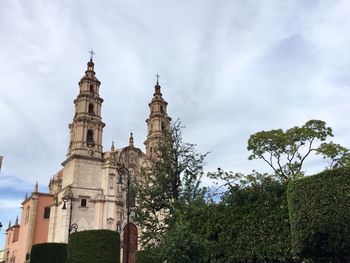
{"points": [[124, 172], [74, 226]]}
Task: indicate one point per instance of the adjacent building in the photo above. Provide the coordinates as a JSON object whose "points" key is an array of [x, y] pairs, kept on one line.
{"points": [[33, 228]]}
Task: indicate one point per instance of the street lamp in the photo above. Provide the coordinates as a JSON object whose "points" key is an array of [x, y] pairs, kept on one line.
{"points": [[74, 226], [124, 172], [119, 227]]}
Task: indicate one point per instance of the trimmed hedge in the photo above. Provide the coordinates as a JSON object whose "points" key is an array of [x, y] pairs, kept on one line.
{"points": [[319, 210], [94, 246], [255, 226], [49, 252]]}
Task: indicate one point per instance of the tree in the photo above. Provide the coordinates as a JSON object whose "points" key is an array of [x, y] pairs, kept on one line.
{"points": [[337, 155], [172, 181], [285, 151]]}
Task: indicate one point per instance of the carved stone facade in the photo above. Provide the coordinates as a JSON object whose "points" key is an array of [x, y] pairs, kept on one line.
{"points": [[85, 194], [89, 179]]}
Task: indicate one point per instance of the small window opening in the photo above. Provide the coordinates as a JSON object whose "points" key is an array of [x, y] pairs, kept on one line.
{"points": [[91, 108], [92, 88], [47, 212], [26, 218], [161, 109], [83, 202], [90, 138]]}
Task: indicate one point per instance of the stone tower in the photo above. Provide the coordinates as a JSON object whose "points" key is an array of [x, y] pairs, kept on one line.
{"points": [[85, 146], [87, 126], [157, 121], [79, 184]]}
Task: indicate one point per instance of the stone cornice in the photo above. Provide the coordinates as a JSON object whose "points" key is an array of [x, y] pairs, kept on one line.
{"points": [[78, 156]]}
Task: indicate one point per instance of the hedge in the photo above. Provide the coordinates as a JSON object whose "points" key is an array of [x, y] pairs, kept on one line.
{"points": [[94, 246], [319, 210], [49, 252], [255, 226]]}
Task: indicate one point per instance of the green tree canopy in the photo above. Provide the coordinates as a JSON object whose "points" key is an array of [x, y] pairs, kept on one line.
{"points": [[173, 180], [285, 151]]}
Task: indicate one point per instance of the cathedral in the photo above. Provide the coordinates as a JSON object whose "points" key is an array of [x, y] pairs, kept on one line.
{"points": [[87, 192]]}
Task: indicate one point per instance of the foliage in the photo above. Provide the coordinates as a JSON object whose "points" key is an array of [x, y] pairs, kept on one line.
{"points": [[180, 245], [147, 256], [184, 241], [49, 252], [319, 214], [337, 155], [172, 181], [94, 246], [286, 151], [254, 223]]}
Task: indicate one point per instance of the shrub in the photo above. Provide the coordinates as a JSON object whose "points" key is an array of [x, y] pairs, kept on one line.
{"points": [[94, 246], [319, 209], [255, 226], [146, 256], [49, 252]]}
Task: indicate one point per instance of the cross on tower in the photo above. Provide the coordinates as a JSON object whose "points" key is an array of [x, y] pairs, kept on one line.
{"points": [[157, 78], [91, 54]]}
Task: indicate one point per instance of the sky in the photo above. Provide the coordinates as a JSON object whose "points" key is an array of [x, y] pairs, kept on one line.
{"points": [[228, 69]]}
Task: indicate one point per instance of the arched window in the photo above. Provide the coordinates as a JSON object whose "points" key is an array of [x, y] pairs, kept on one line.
{"points": [[161, 109], [91, 88], [91, 108], [90, 138]]}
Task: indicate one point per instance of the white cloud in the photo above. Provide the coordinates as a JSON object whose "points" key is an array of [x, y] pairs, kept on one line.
{"points": [[228, 69]]}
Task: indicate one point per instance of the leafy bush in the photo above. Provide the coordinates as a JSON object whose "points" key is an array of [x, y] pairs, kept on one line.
{"points": [[146, 256], [94, 246], [255, 226], [49, 252], [319, 209]]}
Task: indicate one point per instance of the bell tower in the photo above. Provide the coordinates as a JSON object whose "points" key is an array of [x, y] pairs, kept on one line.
{"points": [[82, 185], [87, 126], [158, 119]]}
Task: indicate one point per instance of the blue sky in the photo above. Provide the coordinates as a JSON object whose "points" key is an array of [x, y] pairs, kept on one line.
{"points": [[228, 69]]}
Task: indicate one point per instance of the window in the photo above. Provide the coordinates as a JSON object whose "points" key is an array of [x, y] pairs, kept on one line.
{"points": [[90, 138], [47, 212], [161, 109], [111, 181], [91, 108], [83, 202], [26, 219], [92, 88], [132, 199]]}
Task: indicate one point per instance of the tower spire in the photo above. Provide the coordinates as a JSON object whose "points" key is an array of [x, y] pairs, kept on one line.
{"points": [[131, 140], [158, 119], [87, 126]]}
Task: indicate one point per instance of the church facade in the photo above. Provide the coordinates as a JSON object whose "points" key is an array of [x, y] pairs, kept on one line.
{"points": [[87, 194]]}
